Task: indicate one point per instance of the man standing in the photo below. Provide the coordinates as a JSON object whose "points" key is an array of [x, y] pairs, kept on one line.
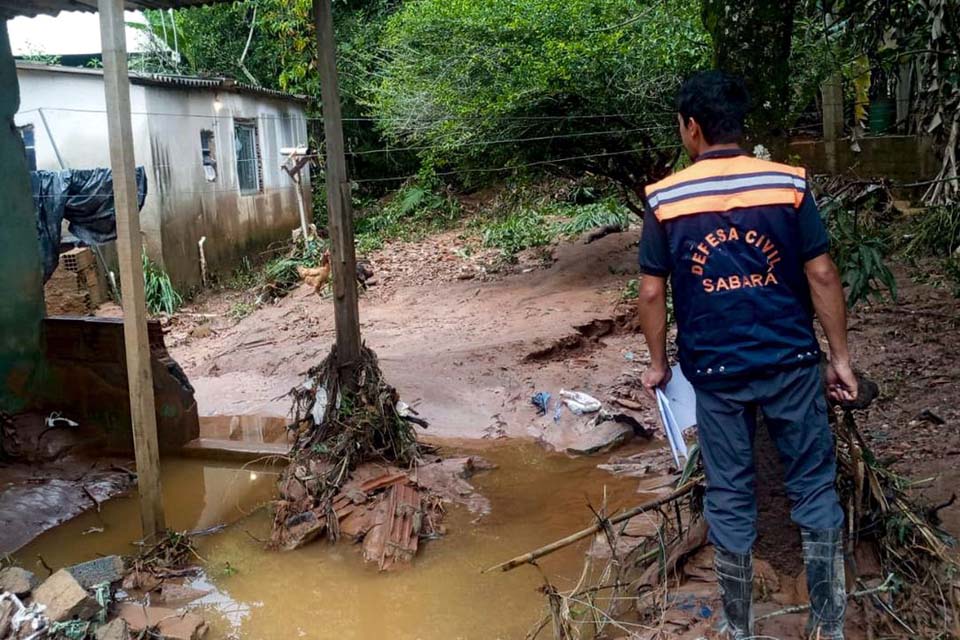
{"points": [[746, 252]]}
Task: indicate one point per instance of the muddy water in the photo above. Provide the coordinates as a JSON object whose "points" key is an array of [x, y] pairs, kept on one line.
{"points": [[324, 591]]}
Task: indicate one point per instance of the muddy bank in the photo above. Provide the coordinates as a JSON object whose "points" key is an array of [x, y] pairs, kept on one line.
{"points": [[50, 472], [323, 591], [454, 349]]}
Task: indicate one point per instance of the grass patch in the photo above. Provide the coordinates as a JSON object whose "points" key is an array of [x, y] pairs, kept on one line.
{"points": [[243, 277], [583, 218], [414, 211], [934, 232], [241, 309], [631, 290], [159, 292], [522, 229]]}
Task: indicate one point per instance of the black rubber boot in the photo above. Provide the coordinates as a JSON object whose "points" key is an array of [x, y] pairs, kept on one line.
{"points": [[735, 579], [823, 558]]}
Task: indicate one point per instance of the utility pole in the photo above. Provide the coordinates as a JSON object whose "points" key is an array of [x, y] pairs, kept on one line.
{"points": [[343, 259], [143, 414]]}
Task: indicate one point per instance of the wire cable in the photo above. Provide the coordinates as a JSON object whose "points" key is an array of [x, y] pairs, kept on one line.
{"points": [[524, 165], [580, 134]]}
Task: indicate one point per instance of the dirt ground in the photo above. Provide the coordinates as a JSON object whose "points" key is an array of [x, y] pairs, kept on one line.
{"points": [[455, 349], [469, 353]]}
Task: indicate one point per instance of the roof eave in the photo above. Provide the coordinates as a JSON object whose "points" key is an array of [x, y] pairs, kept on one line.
{"points": [[14, 8]]}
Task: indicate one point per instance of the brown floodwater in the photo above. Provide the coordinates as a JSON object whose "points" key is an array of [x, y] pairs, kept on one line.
{"points": [[325, 591]]}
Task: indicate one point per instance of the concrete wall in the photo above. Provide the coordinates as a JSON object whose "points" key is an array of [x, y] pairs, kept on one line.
{"points": [[190, 206], [74, 119], [88, 369], [898, 158], [21, 289], [182, 205]]}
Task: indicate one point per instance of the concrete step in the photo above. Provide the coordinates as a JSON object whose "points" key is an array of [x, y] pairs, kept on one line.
{"points": [[233, 450]]}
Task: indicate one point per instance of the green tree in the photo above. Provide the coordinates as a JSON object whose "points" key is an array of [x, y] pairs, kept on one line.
{"points": [[753, 39], [483, 84], [282, 55]]}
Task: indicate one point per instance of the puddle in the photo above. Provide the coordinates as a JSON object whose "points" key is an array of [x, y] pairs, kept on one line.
{"points": [[197, 494], [326, 592]]}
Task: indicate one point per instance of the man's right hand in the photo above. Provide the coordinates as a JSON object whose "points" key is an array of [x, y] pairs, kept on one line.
{"points": [[841, 381], [655, 377]]}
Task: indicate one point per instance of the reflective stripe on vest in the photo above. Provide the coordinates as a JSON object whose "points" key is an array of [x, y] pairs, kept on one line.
{"points": [[726, 183]]}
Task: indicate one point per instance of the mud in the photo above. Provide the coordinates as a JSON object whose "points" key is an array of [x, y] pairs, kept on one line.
{"points": [[323, 591], [37, 497], [586, 338], [51, 477], [454, 349]]}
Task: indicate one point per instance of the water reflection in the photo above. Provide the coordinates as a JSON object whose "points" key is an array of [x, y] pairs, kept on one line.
{"points": [[326, 592]]}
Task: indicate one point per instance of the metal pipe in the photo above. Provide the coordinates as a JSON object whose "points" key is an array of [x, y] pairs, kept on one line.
{"points": [[53, 143]]}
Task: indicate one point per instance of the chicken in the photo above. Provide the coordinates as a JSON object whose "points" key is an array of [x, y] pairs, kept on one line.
{"points": [[317, 277]]}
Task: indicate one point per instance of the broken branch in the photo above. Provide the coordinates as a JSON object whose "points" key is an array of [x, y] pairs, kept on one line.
{"points": [[592, 529]]}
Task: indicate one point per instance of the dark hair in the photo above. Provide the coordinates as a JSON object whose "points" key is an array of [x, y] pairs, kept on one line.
{"points": [[718, 101]]}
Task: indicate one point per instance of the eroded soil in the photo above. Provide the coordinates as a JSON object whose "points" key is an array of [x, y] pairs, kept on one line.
{"points": [[469, 353], [457, 350]]}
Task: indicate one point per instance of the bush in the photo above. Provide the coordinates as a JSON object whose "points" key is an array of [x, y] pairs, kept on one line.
{"points": [[586, 217], [461, 74], [859, 252], [160, 295], [522, 229], [416, 209]]}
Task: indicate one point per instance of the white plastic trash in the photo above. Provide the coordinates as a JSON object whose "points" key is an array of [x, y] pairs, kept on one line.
{"points": [[580, 402], [319, 406]]}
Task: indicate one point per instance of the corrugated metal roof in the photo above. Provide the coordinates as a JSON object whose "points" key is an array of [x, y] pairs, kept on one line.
{"points": [[176, 82], [12, 8]]}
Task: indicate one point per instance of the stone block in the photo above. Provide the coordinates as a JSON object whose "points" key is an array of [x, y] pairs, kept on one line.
{"points": [[64, 598], [116, 629], [17, 581], [98, 571]]}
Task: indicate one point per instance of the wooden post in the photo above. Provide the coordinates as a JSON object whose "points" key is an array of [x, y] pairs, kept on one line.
{"points": [[139, 376], [343, 257]]}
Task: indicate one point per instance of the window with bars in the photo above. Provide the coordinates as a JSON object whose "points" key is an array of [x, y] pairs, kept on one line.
{"points": [[249, 171], [29, 146]]}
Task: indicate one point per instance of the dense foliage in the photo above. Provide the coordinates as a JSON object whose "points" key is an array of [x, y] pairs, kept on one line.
{"points": [[753, 39], [587, 84]]}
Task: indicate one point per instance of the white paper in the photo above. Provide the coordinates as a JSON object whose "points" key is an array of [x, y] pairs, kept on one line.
{"points": [[678, 411], [674, 435], [683, 400]]}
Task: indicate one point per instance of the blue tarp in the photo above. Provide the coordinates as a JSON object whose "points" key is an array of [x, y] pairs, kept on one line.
{"points": [[84, 197]]}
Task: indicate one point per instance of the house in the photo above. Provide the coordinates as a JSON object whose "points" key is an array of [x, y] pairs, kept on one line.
{"points": [[211, 148]]}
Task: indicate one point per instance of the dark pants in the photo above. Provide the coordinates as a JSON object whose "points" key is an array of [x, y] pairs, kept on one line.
{"points": [[795, 411]]}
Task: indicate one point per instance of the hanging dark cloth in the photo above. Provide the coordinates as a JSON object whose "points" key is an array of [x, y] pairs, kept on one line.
{"points": [[85, 198]]}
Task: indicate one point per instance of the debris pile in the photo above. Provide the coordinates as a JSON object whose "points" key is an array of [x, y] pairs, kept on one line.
{"points": [[578, 424], [85, 601], [649, 573], [353, 468]]}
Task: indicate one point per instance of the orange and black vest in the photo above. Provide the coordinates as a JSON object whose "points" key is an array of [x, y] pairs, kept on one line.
{"points": [[740, 293]]}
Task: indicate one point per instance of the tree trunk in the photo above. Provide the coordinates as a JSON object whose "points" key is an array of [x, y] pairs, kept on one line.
{"points": [[752, 39]]}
